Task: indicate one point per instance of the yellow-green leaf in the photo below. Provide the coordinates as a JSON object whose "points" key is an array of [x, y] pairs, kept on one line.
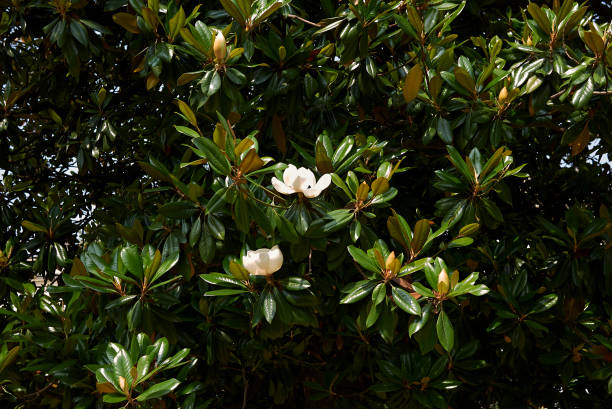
{"points": [[540, 17], [33, 226], [127, 21], [435, 86], [251, 162], [463, 78], [380, 186], [412, 83], [10, 358], [186, 110], [176, 24], [152, 80], [150, 17], [421, 232], [594, 42]]}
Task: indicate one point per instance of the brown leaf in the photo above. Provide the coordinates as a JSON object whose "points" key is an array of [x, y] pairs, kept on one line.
{"points": [[581, 141], [105, 387], [278, 133]]}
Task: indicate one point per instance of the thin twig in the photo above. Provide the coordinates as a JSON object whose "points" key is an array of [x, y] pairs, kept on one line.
{"points": [[245, 389], [594, 93], [35, 395], [303, 20]]}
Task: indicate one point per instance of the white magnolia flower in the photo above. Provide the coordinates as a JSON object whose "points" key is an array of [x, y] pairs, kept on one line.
{"points": [[301, 180], [264, 261]]}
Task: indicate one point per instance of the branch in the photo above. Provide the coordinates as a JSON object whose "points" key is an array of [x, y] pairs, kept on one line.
{"points": [[303, 20], [245, 390]]}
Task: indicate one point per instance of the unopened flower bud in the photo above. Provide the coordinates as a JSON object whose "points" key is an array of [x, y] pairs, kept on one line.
{"points": [[390, 261], [219, 47], [503, 94], [443, 282]]}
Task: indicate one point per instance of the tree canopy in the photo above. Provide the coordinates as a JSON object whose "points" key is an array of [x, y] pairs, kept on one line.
{"points": [[292, 203]]}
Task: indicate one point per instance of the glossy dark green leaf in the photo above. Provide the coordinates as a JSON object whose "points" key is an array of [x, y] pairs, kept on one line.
{"points": [[583, 93], [445, 331], [269, 305], [544, 303], [358, 291], [405, 301], [362, 258], [158, 390]]}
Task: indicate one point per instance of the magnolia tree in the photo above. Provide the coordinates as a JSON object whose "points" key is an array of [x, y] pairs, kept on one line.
{"points": [[305, 204]]}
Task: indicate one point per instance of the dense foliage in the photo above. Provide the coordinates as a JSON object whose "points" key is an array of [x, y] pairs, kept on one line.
{"points": [[431, 178]]}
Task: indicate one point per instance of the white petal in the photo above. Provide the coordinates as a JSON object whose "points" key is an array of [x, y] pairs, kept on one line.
{"points": [[281, 187], [321, 185], [289, 175], [310, 193], [305, 180], [276, 259], [249, 262], [324, 182]]}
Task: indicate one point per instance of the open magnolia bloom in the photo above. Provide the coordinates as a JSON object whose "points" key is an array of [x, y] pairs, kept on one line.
{"points": [[263, 262], [301, 180]]}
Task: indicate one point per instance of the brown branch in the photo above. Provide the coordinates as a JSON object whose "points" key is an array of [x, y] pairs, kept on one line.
{"points": [[303, 20], [245, 390]]}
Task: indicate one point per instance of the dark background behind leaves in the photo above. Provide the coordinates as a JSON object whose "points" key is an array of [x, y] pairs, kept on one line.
{"points": [[91, 146]]}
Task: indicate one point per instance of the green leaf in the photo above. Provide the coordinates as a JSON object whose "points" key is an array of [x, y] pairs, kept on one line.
{"points": [[343, 150], [545, 303], [165, 266], [187, 131], [33, 226], [322, 160], [421, 289], [295, 283], [79, 32], [461, 242], [143, 365], [340, 218], [446, 333], [217, 200], [178, 210], [269, 305], [583, 94], [413, 267], [469, 229], [373, 313], [405, 25], [287, 230], [417, 324], [225, 291], [158, 390], [362, 258], [114, 397], [460, 164], [122, 364], [131, 259], [405, 301], [357, 291], [218, 162], [222, 280], [233, 10]]}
